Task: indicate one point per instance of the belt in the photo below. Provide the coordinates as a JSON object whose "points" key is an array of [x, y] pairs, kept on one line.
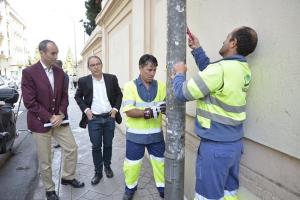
{"points": [[103, 115]]}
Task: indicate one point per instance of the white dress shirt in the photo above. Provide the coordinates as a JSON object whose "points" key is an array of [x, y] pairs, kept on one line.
{"points": [[49, 73], [100, 103]]}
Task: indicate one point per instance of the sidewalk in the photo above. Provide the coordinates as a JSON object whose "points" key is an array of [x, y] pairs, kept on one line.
{"points": [[107, 189]]}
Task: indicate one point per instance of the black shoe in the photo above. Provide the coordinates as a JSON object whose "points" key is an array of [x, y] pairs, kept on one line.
{"points": [[51, 195], [128, 196], [56, 146], [74, 183], [109, 173], [162, 194], [96, 179]]}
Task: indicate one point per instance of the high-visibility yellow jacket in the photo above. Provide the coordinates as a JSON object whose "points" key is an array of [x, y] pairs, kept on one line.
{"points": [[139, 130], [220, 91]]}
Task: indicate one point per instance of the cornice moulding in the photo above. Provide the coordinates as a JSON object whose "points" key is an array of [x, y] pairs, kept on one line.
{"points": [[110, 11]]}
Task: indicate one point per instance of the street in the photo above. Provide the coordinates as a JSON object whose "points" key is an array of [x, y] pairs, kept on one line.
{"points": [[19, 173]]}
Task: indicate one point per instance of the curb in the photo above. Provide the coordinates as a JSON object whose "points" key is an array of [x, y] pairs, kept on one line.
{"points": [[4, 157]]}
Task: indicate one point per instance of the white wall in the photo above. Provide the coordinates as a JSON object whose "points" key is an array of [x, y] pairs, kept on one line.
{"points": [[159, 36], [273, 109], [119, 52], [273, 112]]}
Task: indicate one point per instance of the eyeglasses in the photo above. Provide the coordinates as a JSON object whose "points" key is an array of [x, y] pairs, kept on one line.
{"points": [[95, 65]]}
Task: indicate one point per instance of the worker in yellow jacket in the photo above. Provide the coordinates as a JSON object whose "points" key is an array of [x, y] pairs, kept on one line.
{"points": [[143, 104], [220, 90]]}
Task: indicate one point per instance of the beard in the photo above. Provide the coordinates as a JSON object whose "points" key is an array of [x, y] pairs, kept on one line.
{"points": [[222, 51]]}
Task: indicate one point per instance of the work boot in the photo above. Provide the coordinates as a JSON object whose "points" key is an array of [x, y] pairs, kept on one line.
{"points": [[162, 194], [51, 195], [128, 196]]}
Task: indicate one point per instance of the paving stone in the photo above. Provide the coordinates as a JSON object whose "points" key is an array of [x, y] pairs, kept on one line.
{"points": [[90, 195]]}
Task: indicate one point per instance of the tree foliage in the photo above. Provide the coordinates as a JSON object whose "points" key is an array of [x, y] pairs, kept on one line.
{"points": [[93, 7], [69, 66]]}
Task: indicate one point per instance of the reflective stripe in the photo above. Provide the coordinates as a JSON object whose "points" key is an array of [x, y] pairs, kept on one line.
{"points": [[212, 100], [133, 162], [186, 92], [200, 197], [147, 104], [201, 85], [232, 193], [158, 159], [128, 102], [144, 131], [160, 184], [141, 104], [132, 186], [218, 118]]}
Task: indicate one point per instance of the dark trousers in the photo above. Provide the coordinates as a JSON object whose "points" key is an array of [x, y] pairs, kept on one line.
{"points": [[75, 84], [101, 130]]}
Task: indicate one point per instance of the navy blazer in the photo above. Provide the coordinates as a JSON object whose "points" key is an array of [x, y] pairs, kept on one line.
{"points": [[84, 95], [40, 100]]}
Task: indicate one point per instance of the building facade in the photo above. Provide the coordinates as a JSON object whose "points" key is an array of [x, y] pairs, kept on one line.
{"points": [[13, 51], [92, 47], [271, 161]]}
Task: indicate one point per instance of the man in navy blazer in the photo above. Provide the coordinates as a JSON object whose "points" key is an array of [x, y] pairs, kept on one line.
{"points": [[99, 98], [46, 100]]}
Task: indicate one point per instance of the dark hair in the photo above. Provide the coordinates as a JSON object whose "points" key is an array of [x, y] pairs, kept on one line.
{"points": [[89, 58], [43, 45], [246, 40], [146, 59]]}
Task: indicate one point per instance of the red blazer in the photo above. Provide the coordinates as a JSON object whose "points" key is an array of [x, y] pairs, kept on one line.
{"points": [[39, 98]]}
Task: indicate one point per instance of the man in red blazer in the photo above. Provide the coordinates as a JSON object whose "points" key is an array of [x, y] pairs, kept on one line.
{"points": [[46, 100]]}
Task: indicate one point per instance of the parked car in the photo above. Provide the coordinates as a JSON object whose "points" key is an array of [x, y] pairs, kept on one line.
{"points": [[13, 84], [9, 82], [8, 97], [3, 84]]}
